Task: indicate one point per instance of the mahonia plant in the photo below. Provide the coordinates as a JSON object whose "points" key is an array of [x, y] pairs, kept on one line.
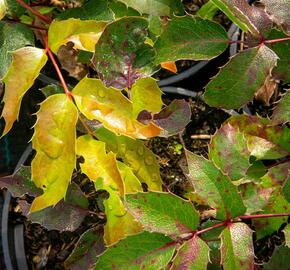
{"points": [[119, 105]]}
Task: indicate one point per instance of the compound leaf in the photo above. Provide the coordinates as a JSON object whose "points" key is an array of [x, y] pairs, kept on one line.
{"points": [[84, 34], [54, 141], [237, 82], [24, 69], [237, 249], [190, 38], [281, 113], [214, 187], [193, 255], [142, 251], [229, 151], [121, 55], [112, 108], [151, 210]]}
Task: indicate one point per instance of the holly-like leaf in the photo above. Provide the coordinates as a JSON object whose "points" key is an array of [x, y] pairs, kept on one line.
{"points": [[237, 250], [122, 10], [207, 10], [25, 68], [286, 232], [156, 7], [194, 38], [97, 10], [136, 155], [214, 187], [193, 255], [237, 82], [142, 251], [14, 9], [54, 141], [101, 168], [65, 216], [279, 259], [228, 150], [163, 212], [12, 37], [281, 113], [20, 183], [121, 55], [112, 108], [146, 95], [84, 34], [131, 182], [87, 249], [2, 9]]}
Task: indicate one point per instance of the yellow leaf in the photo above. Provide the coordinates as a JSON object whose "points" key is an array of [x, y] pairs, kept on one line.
{"points": [[84, 34], [24, 69], [101, 168], [54, 141], [2, 9], [169, 66], [112, 108]]}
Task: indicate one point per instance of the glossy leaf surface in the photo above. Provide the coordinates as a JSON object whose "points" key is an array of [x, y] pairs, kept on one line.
{"points": [[84, 34], [136, 155], [30, 61], [214, 187], [55, 160], [228, 150], [121, 55], [237, 82], [112, 108], [193, 255], [237, 248], [142, 251], [162, 212], [281, 113], [190, 38]]}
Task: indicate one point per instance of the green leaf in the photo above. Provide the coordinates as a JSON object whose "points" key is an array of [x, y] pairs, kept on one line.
{"points": [[65, 216], [51, 89], [228, 150], [12, 37], [286, 232], [193, 255], [142, 251], [87, 249], [121, 55], [281, 113], [136, 155], [101, 168], [207, 11], [190, 38], [112, 108], [14, 9], [84, 34], [146, 95], [238, 81], [279, 259], [286, 190], [54, 141], [24, 69], [156, 7], [237, 250], [121, 10], [3, 9], [97, 10], [214, 187], [151, 210]]}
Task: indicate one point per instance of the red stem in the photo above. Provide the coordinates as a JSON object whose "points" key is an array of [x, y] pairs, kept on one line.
{"points": [[35, 12], [265, 215], [276, 40], [224, 223]]}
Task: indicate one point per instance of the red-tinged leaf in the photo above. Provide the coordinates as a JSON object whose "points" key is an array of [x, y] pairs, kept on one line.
{"points": [[173, 118], [265, 93], [24, 69], [281, 113], [54, 141], [279, 259], [121, 56], [102, 169], [20, 183], [194, 38], [65, 216], [214, 187], [229, 151], [87, 249], [136, 155], [142, 251], [237, 250], [163, 212], [193, 255], [237, 82], [171, 66], [112, 108]]}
